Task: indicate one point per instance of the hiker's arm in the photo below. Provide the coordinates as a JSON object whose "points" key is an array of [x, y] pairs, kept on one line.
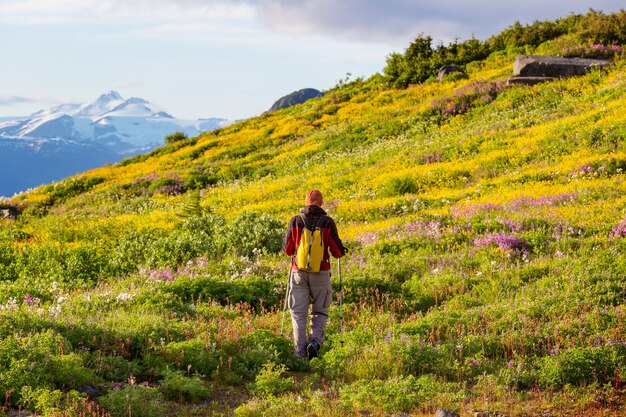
{"points": [[336, 247], [289, 244]]}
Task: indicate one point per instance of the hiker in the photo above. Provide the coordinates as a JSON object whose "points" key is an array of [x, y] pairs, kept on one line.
{"points": [[305, 285]]}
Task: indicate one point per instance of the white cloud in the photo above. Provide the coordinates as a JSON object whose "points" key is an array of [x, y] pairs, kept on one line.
{"points": [[31, 12], [393, 22], [397, 21], [128, 85], [6, 101]]}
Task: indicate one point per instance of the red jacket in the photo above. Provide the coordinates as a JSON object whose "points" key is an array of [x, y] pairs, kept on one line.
{"points": [[330, 237]]}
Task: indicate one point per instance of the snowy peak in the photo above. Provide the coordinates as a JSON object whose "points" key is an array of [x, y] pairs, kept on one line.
{"points": [[136, 107], [105, 103], [57, 111], [50, 127], [110, 96]]}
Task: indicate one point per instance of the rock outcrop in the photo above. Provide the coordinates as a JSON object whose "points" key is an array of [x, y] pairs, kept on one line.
{"points": [[447, 70], [297, 97], [445, 413], [534, 69], [8, 213]]}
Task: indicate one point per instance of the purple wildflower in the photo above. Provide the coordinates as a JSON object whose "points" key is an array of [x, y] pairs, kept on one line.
{"points": [[549, 200], [164, 275], [431, 229], [512, 225], [28, 299], [619, 231], [510, 363], [368, 238], [358, 261], [430, 158], [473, 209], [506, 242], [151, 177], [586, 169], [472, 362], [480, 92], [173, 186]]}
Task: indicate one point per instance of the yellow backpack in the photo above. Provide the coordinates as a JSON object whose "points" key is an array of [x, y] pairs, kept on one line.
{"points": [[311, 248]]}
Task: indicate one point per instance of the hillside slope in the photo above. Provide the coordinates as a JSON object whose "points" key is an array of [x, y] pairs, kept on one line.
{"points": [[486, 273]]}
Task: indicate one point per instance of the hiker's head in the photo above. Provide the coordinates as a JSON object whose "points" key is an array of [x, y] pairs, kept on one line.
{"points": [[313, 198]]}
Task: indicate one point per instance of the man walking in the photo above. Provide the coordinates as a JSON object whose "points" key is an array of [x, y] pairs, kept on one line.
{"points": [[306, 286]]}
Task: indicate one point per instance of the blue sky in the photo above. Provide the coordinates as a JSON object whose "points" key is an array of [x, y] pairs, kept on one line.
{"points": [[225, 58]]}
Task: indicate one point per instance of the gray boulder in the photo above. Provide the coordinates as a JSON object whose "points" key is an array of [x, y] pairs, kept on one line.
{"points": [[447, 70], [8, 213], [445, 413], [92, 391], [527, 80], [297, 97], [554, 66]]}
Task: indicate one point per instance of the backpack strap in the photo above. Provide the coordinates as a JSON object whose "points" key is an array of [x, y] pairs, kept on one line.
{"points": [[308, 225], [306, 222]]}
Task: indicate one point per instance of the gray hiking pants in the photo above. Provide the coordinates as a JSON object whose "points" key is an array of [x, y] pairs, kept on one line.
{"points": [[309, 288]]}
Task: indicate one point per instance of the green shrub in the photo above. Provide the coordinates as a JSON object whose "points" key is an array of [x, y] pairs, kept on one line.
{"points": [[421, 61], [113, 367], [204, 233], [175, 386], [396, 395], [277, 406], [581, 366], [8, 270], [250, 290], [192, 356], [412, 67], [420, 294], [518, 375], [134, 401], [46, 401], [31, 361], [69, 371], [254, 233], [270, 382], [64, 190], [400, 186], [278, 345], [175, 137]]}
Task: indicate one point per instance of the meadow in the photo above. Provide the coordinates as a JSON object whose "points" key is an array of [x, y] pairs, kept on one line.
{"points": [[487, 268]]}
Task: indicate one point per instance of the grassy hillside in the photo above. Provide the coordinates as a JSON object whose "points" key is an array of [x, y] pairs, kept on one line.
{"points": [[487, 267]]}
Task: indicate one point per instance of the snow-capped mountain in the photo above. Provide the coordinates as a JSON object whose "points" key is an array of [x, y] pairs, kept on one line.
{"points": [[105, 130]]}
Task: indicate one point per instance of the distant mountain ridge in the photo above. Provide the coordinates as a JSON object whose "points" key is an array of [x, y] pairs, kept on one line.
{"points": [[61, 141]]}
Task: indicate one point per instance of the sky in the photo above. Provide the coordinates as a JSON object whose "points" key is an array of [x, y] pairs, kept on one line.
{"points": [[226, 58]]}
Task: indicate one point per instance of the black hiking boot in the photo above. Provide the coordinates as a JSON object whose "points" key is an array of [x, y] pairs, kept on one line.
{"points": [[312, 349]]}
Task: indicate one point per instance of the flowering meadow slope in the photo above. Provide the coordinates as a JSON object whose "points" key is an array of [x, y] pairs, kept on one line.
{"points": [[487, 266]]}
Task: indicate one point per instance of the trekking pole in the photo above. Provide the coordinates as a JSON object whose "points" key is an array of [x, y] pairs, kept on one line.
{"points": [[282, 326], [340, 301]]}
